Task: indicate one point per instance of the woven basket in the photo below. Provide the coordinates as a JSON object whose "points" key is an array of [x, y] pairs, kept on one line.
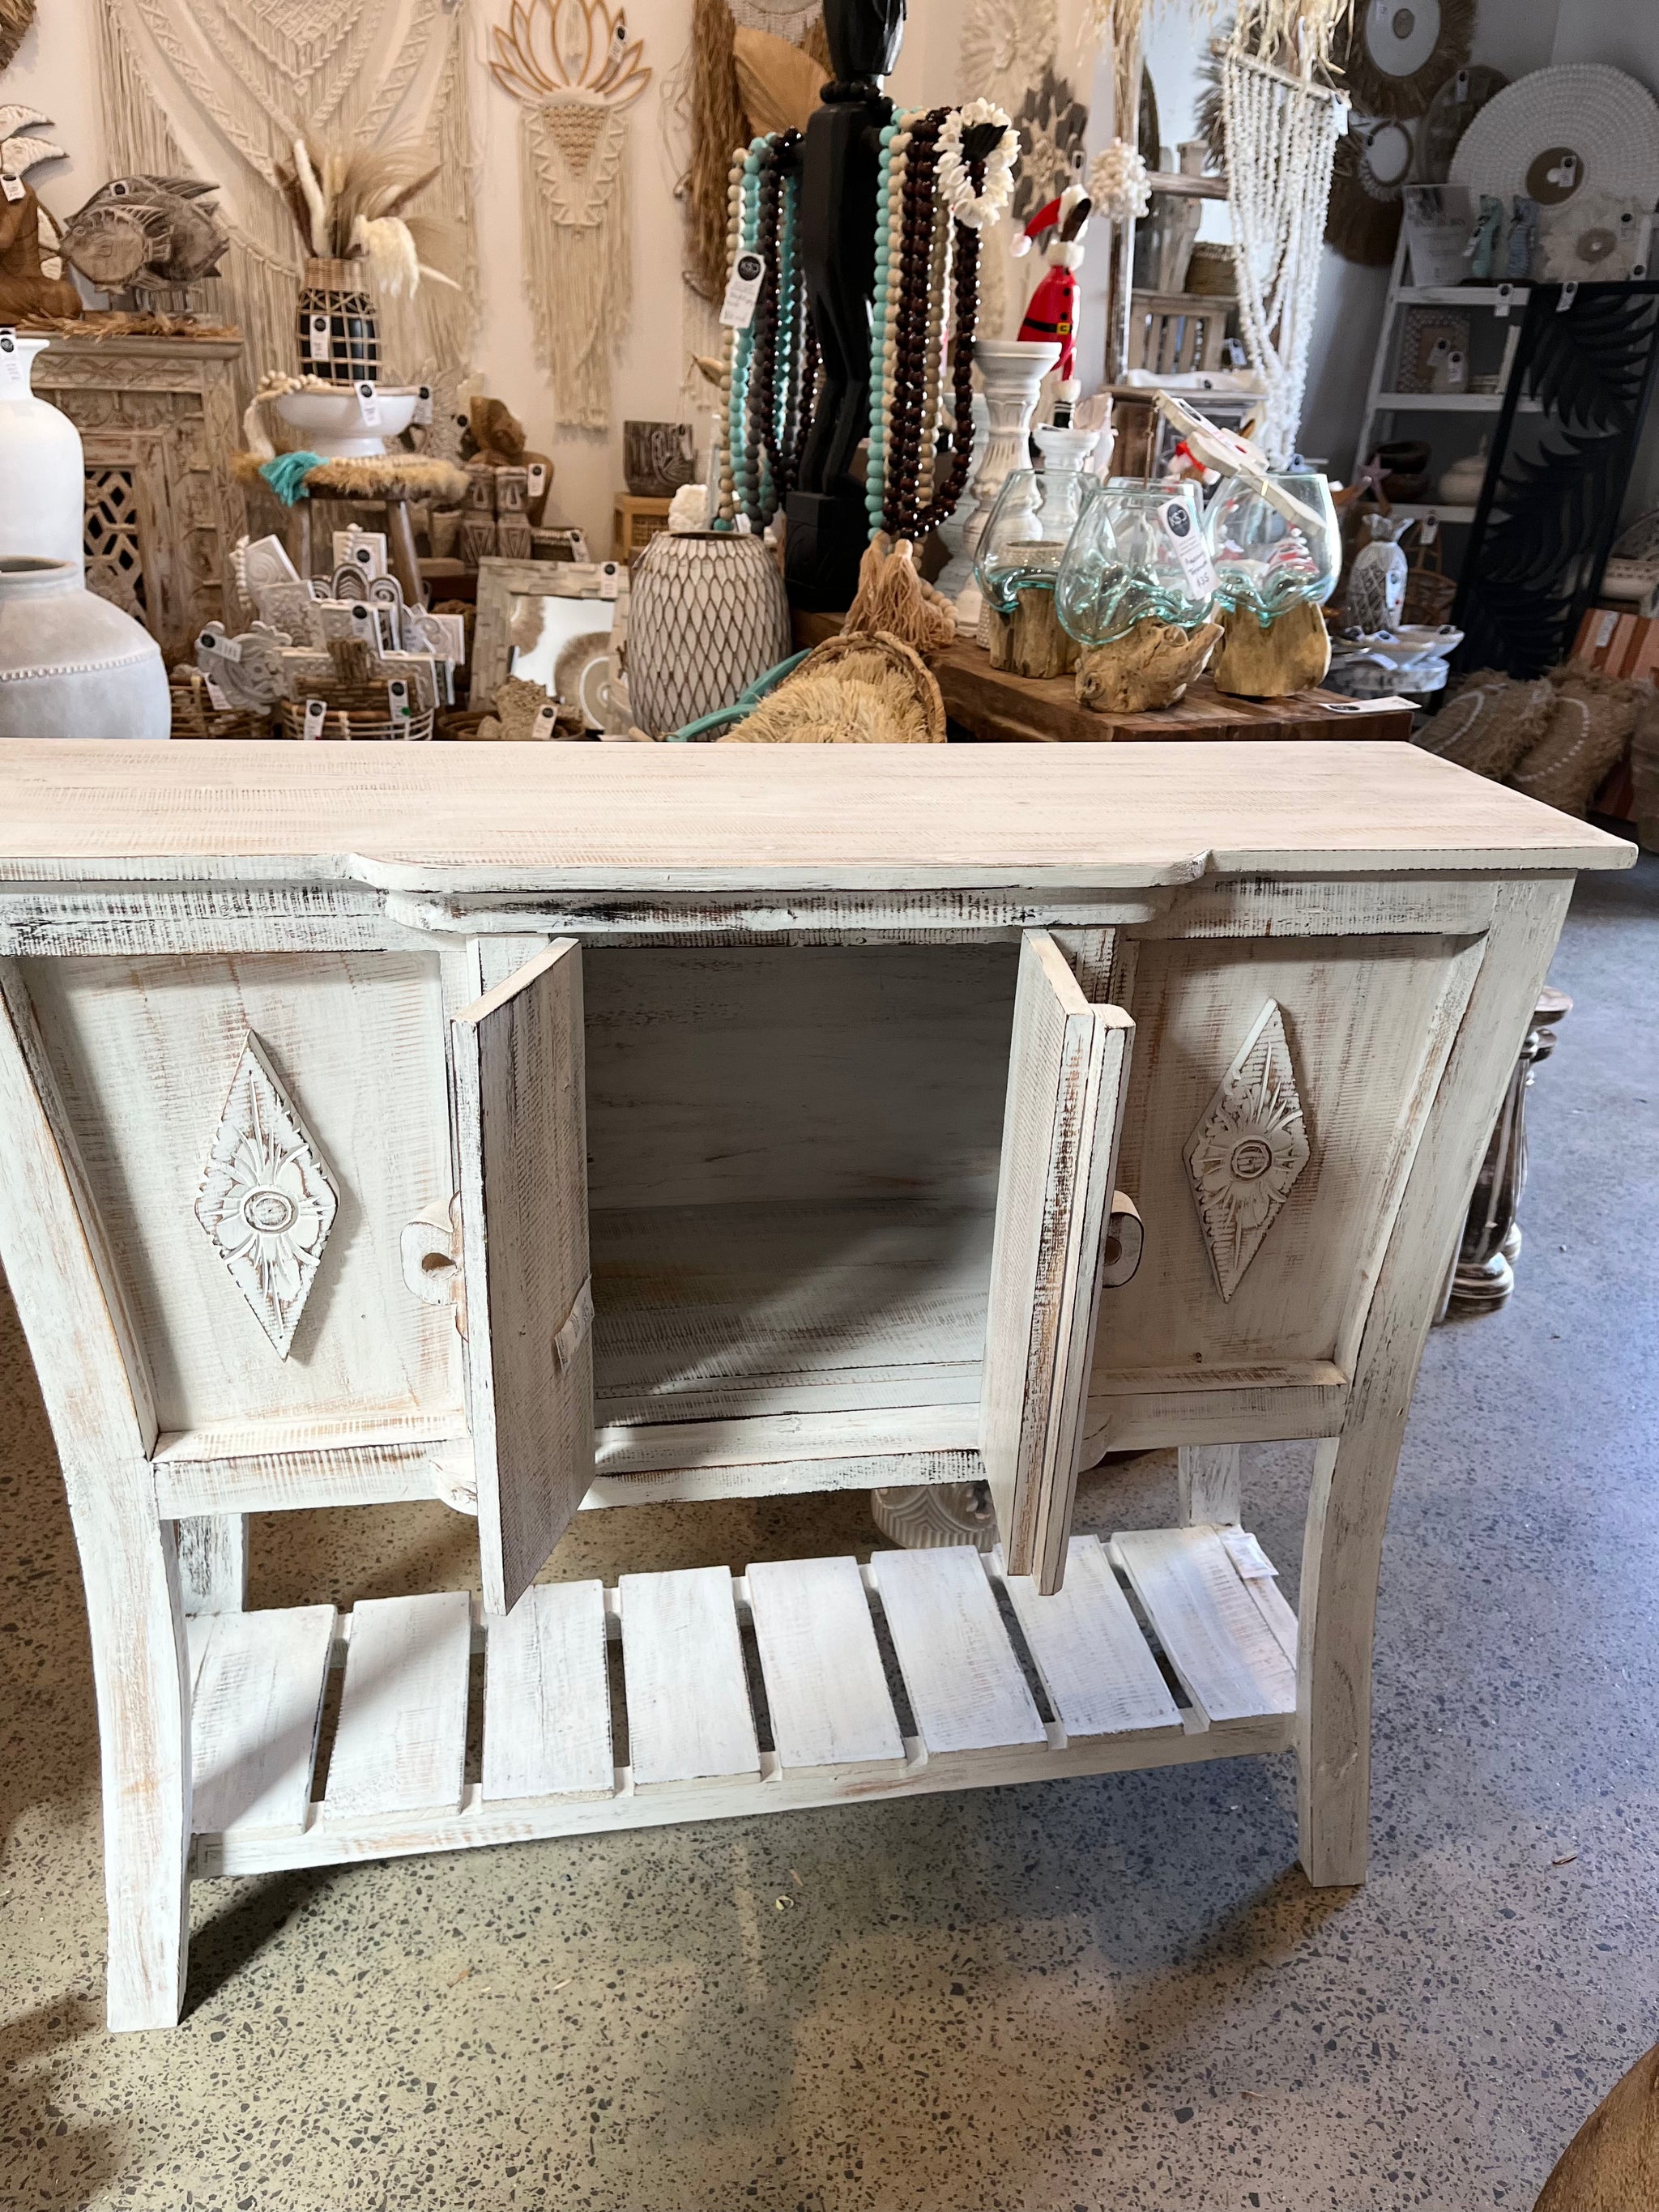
{"points": [[195, 715], [798, 702], [358, 718]]}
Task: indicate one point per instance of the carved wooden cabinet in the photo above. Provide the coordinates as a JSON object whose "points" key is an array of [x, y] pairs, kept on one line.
{"points": [[600, 1125], [158, 419]]}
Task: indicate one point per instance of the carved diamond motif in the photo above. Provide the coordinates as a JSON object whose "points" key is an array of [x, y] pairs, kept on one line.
{"points": [[1245, 1155], [267, 1200]]}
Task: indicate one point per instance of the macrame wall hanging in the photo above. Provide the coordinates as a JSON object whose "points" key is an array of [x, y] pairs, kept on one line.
{"points": [[220, 89], [1281, 134], [576, 72]]}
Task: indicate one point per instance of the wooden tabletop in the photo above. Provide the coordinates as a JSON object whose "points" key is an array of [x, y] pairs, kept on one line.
{"points": [[622, 817], [994, 705]]}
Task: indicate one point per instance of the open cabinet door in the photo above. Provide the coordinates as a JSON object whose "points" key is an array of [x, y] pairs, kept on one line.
{"points": [[1067, 1080], [521, 1129]]}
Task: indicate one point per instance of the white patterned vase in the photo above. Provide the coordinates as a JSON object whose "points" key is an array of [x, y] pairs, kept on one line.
{"points": [[706, 616], [72, 665], [43, 472]]}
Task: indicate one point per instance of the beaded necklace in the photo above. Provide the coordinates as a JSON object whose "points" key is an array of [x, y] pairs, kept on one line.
{"points": [[770, 365], [943, 175]]}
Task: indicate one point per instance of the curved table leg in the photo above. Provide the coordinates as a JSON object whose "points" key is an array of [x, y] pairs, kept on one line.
{"points": [[1353, 1472]]}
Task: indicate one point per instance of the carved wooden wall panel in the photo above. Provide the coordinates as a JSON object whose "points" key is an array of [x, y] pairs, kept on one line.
{"points": [[159, 418]]}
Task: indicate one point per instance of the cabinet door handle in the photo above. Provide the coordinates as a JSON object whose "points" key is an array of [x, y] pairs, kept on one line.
{"points": [[430, 1247], [1120, 1246]]}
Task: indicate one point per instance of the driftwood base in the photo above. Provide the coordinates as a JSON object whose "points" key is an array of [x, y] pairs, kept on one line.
{"points": [[1031, 641], [1151, 667], [1292, 655]]}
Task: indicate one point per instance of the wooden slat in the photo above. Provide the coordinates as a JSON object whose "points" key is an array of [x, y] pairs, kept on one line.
{"points": [[521, 1126], [1066, 1079], [1100, 1674], [401, 1743], [688, 1718], [1276, 1610], [547, 1697], [825, 1687], [257, 1681], [965, 1685], [1228, 1660]]}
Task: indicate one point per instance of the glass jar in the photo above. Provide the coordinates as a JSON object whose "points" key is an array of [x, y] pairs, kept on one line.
{"points": [[1137, 553], [1267, 560], [1036, 513]]}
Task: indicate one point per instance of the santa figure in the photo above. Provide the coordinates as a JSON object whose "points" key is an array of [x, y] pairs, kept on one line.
{"points": [[1051, 313]]}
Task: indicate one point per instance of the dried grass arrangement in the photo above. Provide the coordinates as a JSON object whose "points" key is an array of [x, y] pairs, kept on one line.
{"points": [[352, 205], [858, 690]]}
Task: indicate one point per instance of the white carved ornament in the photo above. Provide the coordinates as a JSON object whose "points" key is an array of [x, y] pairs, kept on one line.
{"points": [[1249, 1149], [268, 1200]]}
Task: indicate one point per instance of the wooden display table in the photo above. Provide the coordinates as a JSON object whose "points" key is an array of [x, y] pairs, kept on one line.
{"points": [[994, 704], [535, 1127]]}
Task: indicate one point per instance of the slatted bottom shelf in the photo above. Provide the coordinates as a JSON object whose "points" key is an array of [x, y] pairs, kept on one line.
{"points": [[1166, 1645]]}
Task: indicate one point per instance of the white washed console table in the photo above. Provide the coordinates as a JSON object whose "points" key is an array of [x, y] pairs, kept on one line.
{"points": [[546, 1126]]}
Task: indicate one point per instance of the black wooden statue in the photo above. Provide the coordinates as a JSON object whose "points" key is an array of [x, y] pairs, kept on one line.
{"points": [[829, 527]]}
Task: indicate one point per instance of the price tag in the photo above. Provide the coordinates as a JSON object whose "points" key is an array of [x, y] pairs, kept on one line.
{"points": [[742, 290], [13, 370], [1194, 554], [537, 484], [422, 413], [1457, 370], [13, 187], [315, 711], [368, 404], [364, 557], [228, 648], [316, 337], [611, 576], [545, 725], [215, 696], [1428, 529], [1247, 1555], [397, 692]]}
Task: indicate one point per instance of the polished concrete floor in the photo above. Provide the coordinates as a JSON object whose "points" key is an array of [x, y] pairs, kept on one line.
{"points": [[1116, 1993]]}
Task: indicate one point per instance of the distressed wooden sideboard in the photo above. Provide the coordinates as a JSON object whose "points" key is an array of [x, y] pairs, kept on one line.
{"points": [[550, 1125]]}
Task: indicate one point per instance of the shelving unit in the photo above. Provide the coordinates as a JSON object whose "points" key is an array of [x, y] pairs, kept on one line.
{"points": [[1384, 402]]}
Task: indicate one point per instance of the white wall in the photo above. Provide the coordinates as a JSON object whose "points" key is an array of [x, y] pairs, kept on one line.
{"points": [[56, 69]]}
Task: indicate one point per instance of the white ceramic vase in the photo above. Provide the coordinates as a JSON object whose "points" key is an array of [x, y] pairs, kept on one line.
{"points": [[72, 665], [707, 614], [43, 471], [1012, 371]]}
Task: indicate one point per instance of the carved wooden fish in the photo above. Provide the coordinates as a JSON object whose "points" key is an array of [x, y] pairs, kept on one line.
{"points": [[147, 232]]}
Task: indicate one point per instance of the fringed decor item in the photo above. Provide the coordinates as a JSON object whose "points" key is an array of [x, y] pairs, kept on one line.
{"points": [[865, 690], [746, 71], [16, 16], [237, 81], [893, 598], [576, 73], [1281, 143]]}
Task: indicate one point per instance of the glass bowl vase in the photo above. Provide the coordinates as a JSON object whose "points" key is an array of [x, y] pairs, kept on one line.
{"points": [[1266, 560], [1031, 526], [1137, 554]]}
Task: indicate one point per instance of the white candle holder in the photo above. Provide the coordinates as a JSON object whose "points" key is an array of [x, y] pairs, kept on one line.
{"points": [[1012, 371]]}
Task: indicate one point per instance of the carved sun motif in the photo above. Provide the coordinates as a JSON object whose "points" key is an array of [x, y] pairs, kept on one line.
{"points": [[267, 1200], [1245, 1155]]}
